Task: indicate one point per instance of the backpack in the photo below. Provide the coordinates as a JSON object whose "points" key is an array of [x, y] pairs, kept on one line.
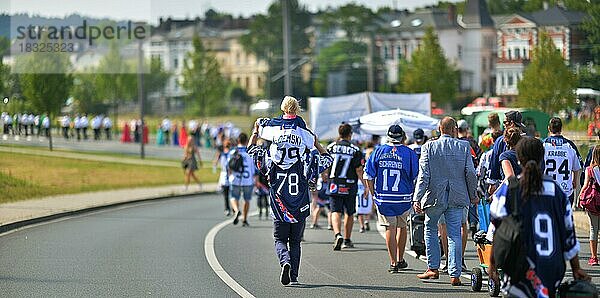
{"points": [[510, 252], [590, 199], [236, 162]]}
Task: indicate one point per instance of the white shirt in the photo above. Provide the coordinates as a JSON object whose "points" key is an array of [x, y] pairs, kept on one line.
{"points": [[96, 122], [83, 121], [166, 125], [245, 178], [77, 122], [106, 122], [66, 121], [46, 122], [192, 125]]}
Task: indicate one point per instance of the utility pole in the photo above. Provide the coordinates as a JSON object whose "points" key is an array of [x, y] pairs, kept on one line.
{"points": [[141, 94], [287, 40], [370, 80]]}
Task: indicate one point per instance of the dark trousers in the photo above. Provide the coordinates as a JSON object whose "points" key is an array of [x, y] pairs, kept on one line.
{"points": [[226, 197], [78, 130], [262, 204], [167, 140], [288, 233], [96, 134], [65, 132], [473, 216], [107, 131], [85, 133]]}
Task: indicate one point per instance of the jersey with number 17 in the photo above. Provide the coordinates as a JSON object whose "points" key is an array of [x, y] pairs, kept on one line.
{"points": [[394, 169], [561, 158], [290, 164]]}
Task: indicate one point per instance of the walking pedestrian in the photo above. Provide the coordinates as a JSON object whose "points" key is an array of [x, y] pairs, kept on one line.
{"points": [[107, 125], [562, 159], [346, 170], [508, 159], [589, 199], [446, 185], [65, 124], [221, 160], [85, 123], [291, 143], [242, 178], [77, 126], [391, 171], [96, 124], [166, 128], [547, 231], [512, 119], [190, 163]]}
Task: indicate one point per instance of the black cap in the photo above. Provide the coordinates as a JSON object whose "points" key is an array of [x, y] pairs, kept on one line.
{"points": [[396, 132], [516, 117], [419, 134]]}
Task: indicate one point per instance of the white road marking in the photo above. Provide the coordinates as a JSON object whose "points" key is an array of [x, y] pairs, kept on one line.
{"points": [[211, 257]]}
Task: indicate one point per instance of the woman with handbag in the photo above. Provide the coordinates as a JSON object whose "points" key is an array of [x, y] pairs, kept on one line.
{"points": [[190, 163], [590, 201]]}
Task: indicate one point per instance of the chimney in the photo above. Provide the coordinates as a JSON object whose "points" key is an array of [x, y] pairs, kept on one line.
{"points": [[545, 5], [452, 13]]}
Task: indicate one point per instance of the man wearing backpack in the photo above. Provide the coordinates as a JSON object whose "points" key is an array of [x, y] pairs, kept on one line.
{"points": [[241, 179]]}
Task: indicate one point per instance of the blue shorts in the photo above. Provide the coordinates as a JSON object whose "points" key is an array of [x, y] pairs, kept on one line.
{"points": [[236, 192], [463, 221]]}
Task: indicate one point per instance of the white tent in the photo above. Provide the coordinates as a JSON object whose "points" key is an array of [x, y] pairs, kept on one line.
{"points": [[378, 123], [327, 113]]}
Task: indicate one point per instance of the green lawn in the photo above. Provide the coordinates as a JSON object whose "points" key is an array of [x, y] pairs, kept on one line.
{"points": [[27, 176]]}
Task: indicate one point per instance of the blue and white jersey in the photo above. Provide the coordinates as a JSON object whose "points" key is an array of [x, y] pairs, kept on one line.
{"points": [[364, 205], [394, 169], [289, 164], [549, 232], [246, 177], [222, 161], [561, 157], [290, 139]]}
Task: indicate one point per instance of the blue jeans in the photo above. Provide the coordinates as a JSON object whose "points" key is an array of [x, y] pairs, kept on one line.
{"points": [[291, 233], [453, 217]]}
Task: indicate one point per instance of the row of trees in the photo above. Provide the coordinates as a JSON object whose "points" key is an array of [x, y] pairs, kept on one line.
{"points": [[428, 69]]}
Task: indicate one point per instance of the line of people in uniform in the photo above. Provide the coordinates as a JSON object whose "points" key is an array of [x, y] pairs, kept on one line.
{"points": [[27, 124]]}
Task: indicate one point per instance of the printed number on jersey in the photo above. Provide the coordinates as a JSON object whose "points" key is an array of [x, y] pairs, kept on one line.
{"points": [[544, 239], [563, 169], [292, 182], [288, 154], [340, 158], [388, 174]]}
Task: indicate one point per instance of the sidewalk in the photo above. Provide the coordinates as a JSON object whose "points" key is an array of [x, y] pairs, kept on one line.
{"points": [[11, 213]]}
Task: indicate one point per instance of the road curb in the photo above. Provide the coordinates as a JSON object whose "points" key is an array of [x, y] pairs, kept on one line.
{"points": [[33, 221]]}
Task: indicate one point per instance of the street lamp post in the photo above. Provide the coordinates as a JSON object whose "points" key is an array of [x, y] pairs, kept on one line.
{"points": [[141, 94], [287, 86]]}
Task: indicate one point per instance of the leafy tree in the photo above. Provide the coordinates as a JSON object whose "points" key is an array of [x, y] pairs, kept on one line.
{"points": [[203, 81], [46, 82], [589, 77], [547, 82], [356, 20], [265, 39], [86, 94], [591, 27], [116, 81], [342, 56], [429, 71]]}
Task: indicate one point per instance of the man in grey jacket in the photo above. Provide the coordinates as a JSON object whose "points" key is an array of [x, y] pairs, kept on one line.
{"points": [[446, 185]]}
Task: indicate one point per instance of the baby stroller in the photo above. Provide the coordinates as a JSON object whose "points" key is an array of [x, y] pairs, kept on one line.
{"points": [[484, 249]]}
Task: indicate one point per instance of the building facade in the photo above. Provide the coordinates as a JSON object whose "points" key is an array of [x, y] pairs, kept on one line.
{"points": [[517, 36]]}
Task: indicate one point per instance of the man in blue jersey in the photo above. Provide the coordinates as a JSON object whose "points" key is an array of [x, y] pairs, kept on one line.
{"points": [[391, 171], [445, 185], [512, 119], [242, 182], [290, 167], [562, 161]]}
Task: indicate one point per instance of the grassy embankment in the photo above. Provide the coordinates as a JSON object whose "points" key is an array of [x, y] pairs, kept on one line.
{"points": [[27, 176]]}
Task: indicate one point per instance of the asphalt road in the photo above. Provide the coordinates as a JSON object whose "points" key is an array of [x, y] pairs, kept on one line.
{"points": [[157, 249]]}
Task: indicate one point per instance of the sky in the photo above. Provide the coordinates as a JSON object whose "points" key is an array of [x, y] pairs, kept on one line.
{"points": [[151, 10]]}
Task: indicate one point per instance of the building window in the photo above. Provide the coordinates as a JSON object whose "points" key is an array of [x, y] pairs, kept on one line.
{"points": [[238, 81], [502, 82], [509, 54], [511, 80], [525, 53], [247, 86], [175, 63], [483, 64], [517, 53], [386, 52], [459, 50], [259, 83]]}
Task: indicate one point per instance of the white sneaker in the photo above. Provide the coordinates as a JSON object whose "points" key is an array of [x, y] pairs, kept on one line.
{"points": [[295, 283]]}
